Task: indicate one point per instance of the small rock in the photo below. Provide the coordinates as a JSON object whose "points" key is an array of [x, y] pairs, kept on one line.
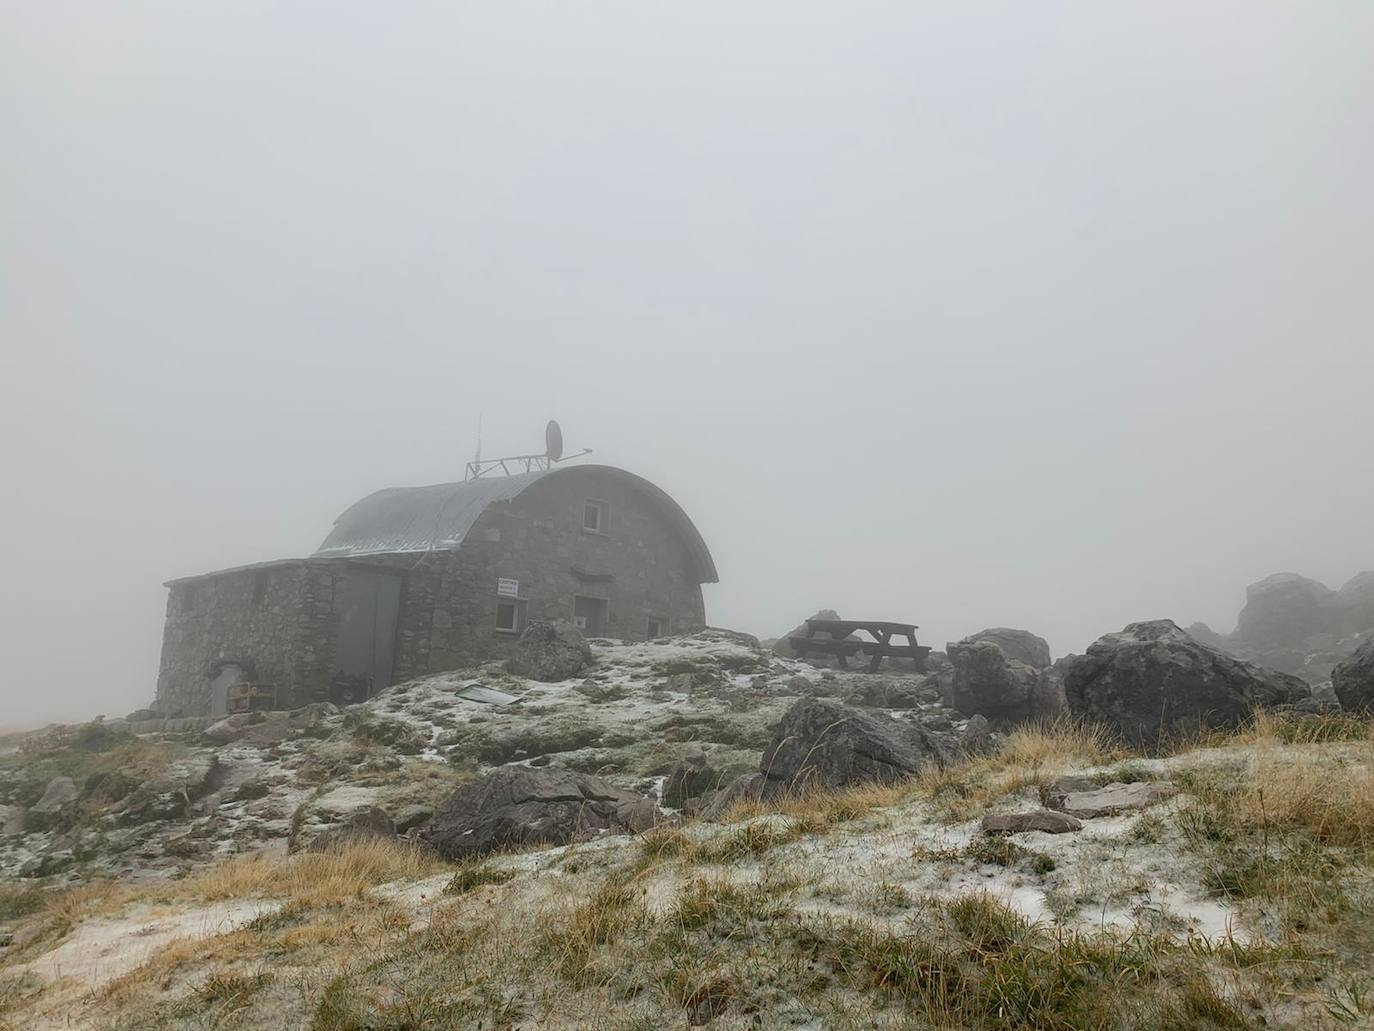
{"points": [[1114, 798], [1046, 820]]}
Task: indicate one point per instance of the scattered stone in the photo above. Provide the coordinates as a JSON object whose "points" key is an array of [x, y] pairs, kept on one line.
{"points": [[879, 693], [1353, 680], [365, 824], [1152, 682], [1114, 798], [515, 806], [551, 652], [825, 743], [1046, 820]]}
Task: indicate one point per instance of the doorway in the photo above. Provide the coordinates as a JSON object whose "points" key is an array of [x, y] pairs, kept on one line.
{"points": [[589, 615], [367, 603]]}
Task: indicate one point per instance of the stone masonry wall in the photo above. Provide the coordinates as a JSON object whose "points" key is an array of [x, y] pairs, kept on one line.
{"points": [[277, 620], [640, 566]]}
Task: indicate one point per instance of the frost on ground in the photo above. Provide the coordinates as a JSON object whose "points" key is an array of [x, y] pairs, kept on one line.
{"points": [[1242, 900]]}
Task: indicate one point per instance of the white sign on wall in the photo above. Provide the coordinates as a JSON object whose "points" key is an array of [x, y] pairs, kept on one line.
{"points": [[506, 588]]}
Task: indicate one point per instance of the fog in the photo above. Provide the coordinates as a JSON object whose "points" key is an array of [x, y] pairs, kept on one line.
{"points": [[1048, 315]]}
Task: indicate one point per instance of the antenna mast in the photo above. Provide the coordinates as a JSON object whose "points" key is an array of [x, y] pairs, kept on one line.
{"points": [[553, 453]]}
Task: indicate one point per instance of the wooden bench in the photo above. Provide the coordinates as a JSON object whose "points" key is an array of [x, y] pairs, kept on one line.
{"points": [[842, 644]]}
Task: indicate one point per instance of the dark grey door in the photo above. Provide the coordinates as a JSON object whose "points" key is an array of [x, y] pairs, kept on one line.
{"points": [[589, 615], [365, 649]]}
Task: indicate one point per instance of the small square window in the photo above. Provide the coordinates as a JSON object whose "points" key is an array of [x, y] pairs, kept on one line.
{"points": [[594, 517], [510, 616], [654, 628]]}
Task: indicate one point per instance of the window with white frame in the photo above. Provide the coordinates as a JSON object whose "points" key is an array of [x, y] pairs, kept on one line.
{"points": [[510, 615], [594, 516]]}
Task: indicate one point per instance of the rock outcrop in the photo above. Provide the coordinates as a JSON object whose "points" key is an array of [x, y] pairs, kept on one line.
{"points": [[1353, 680], [366, 824], [1295, 624], [1006, 676], [1152, 682], [515, 806], [824, 743], [689, 778], [551, 652]]}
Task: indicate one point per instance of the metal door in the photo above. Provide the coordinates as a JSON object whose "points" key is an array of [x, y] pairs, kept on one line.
{"points": [[365, 648]]}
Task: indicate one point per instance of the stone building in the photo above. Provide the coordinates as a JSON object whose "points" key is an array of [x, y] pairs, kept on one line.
{"points": [[416, 580]]}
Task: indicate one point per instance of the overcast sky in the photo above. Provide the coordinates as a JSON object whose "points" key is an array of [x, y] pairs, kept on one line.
{"points": [[1050, 315]]}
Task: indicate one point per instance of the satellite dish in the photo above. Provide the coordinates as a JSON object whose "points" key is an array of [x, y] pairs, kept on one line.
{"points": [[553, 441]]}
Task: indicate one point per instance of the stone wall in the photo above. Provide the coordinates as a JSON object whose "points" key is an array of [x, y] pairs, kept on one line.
{"points": [[640, 566], [276, 620]]}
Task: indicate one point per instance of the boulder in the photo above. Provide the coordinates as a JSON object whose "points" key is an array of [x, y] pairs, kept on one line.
{"points": [[782, 647], [989, 682], [1151, 682], [1282, 610], [1021, 645], [1353, 680], [752, 787], [1113, 798], [880, 693], [978, 737], [689, 778], [515, 806], [551, 652], [59, 792], [1044, 820], [825, 743], [367, 823]]}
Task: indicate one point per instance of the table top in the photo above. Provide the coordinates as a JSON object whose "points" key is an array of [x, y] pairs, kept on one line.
{"points": [[846, 625]]}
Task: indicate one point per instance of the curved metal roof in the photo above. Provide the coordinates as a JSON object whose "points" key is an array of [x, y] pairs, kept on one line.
{"points": [[438, 517]]}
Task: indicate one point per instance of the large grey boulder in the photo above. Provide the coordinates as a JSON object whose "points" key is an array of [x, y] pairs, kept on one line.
{"points": [[1353, 680], [550, 652], [1021, 645], [1152, 682], [1006, 676], [820, 742], [516, 806], [1283, 610]]}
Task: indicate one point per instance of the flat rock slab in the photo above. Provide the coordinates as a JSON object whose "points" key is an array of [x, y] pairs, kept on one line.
{"points": [[1046, 820], [1114, 798]]}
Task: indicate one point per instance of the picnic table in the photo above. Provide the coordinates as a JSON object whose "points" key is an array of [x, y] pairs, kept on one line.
{"points": [[841, 644]]}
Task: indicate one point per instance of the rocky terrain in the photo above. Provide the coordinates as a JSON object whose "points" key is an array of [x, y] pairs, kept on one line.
{"points": [[696, 831], [1294, 624]]}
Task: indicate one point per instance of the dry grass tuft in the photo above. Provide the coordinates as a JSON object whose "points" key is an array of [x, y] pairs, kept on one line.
{"points": [[317, 877]]}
